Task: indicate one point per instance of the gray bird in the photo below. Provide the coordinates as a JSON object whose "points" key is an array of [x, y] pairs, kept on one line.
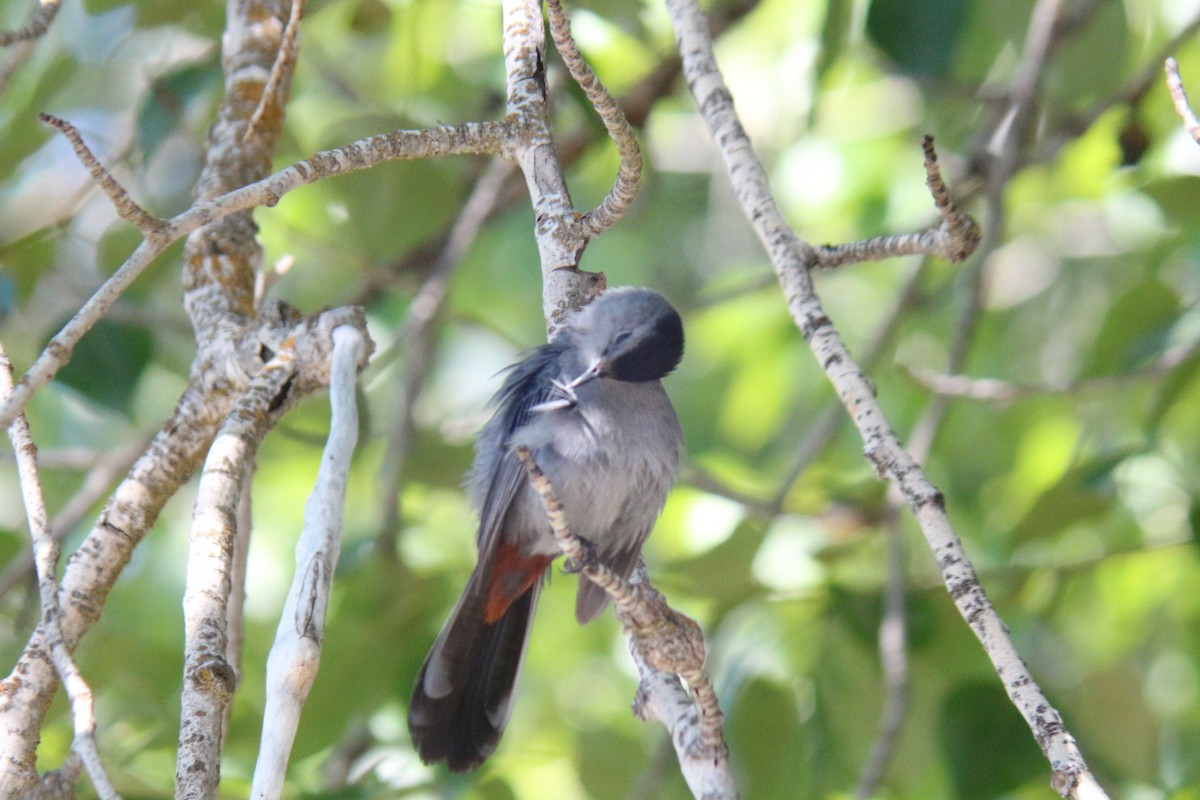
{"points": [[591, 409]]}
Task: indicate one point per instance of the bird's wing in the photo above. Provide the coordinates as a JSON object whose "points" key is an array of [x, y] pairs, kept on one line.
{"points": [[528, 384]]}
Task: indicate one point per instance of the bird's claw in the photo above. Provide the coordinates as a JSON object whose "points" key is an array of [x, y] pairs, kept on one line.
{"points": [[568, 401]]}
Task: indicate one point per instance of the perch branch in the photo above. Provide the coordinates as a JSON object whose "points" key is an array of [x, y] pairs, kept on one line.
{"points": [[665, 644], [793, 260], [46, 554], [296, 654]]}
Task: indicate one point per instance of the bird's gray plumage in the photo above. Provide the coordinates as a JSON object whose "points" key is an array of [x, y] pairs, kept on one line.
{"points": [[591, 409]]}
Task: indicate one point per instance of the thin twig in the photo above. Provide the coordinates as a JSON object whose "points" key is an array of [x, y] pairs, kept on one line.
{"points": [[124, 204], [39, 22], [106, 468], [46, 554], [954, 238], [999, 391], [629, 174], [285, 59], [893, 656], [1180, 99], [417, 338]]}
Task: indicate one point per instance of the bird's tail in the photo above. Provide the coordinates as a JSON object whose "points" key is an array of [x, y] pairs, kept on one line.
{"points": [[464, 691]]}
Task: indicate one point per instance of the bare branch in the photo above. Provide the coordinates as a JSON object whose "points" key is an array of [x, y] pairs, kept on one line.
{"points": [[296, 653], [39, 22], [629, 174], [998, 391], [1180, 99], [665, 644], [470, 138], [126, 208], [793, 259], [46, 554], [893, 656], [107, 467]]}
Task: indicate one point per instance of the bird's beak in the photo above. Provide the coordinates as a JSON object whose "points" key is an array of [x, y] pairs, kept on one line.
{"points": [[587, 376]]}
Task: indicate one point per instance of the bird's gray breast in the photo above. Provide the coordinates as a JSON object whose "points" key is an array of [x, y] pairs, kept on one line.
{"points": [[612, 459]]}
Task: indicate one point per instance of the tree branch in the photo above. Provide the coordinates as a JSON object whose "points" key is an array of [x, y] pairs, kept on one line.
{"points": [[46, 554], [664, 644], [793, 259], [629, 174], [1180, 99], [294, 658], [35, 28]]}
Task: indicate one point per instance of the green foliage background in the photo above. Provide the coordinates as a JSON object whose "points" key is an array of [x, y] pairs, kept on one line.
{"points": [[1077, 500]]}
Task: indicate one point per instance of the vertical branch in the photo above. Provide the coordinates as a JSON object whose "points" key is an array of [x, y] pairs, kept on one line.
{"points": [[558, 229], [296, 653], [222, 257], [208, 677]]}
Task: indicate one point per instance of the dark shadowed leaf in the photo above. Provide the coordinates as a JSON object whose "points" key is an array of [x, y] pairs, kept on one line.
{"points": [[920, 38], [107, 363]]}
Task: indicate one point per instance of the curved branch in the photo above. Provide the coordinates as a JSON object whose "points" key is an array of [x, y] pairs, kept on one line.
{"points": [[470, 138], [629, 174]]}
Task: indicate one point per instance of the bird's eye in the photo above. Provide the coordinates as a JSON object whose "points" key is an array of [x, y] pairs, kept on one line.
{"points": [[621, 338]]}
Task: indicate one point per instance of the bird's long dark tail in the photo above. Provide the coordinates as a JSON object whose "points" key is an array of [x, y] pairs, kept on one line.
{"points": [[464, 691]]}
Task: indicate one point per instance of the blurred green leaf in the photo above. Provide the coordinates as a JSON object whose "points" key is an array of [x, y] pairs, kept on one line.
{"points": [[1084, 492], [168, 98], [1134, 330], [978, 722]]}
